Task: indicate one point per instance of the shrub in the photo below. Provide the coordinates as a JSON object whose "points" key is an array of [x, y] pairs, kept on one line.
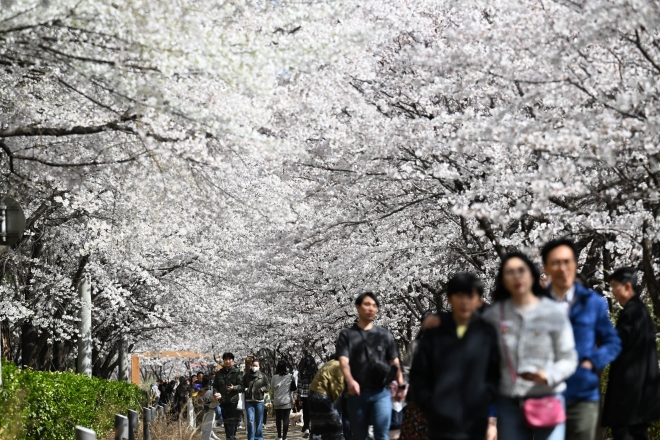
{"points": [[39, 405]]}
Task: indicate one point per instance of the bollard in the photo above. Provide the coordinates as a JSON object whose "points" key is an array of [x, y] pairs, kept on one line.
{"points": [[146, 421], [160, 411], [133, 423], [84, 433], [154, 413], [121, 427]]}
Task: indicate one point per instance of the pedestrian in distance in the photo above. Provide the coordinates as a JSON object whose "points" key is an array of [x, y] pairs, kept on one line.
{"points": [[208, 401], [181, 396], [228, 385], [282, 385], [324, 397], [537, 353], [369, 361], [596, 341], [307, 369], [255, 384], [456, 369], [632, 399]]}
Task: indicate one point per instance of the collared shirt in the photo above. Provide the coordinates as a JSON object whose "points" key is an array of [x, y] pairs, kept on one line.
{"points": [[567, 301]]}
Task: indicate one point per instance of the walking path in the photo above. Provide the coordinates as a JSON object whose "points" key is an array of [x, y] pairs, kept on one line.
{"points": [[270, 432]]}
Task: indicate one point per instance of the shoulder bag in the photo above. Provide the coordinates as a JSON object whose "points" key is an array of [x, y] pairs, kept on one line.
{"points": [[540, 412], [382, 372]]}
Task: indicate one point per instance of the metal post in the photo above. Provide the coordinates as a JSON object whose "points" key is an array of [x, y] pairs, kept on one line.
{"points": [[123, 360], [85, 328], [121, 427], [133, 423], [85, 434], [154, 413], [146, 421]]}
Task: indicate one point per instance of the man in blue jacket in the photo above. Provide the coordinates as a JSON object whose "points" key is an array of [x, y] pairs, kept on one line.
{"points": [[596, 341]]}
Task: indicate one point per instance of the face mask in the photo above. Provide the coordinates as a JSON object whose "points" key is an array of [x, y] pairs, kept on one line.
{"points": [[255, 369]]}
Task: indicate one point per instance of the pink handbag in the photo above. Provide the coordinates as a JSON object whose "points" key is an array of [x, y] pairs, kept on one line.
{"points": [[543, 412], [540, 412]]}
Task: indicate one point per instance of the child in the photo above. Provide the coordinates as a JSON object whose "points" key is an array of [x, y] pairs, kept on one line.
{"points": [[455, 372]]}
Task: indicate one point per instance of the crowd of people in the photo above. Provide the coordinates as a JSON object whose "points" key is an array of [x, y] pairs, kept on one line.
{"points": [[526, 366]]}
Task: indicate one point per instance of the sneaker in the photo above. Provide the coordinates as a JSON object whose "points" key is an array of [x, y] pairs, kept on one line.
{"points": [[306, 433]]}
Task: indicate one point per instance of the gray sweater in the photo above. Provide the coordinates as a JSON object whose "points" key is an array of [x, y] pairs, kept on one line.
{"points": [[540, 338]]}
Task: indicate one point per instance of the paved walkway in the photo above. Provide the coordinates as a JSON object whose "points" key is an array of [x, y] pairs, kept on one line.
{"points": [[270, 432]]}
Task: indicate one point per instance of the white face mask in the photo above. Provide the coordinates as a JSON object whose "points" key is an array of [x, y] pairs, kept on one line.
{"points": [[255, 369]]}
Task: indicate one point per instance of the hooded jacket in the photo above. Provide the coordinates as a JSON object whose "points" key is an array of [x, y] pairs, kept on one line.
{"points": [[633, 389]]}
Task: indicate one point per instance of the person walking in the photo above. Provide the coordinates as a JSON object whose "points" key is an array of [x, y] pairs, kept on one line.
{"points": [[456, 369], [632, 399], [324, 394], [369, 362], [181, 396], [537, 352], [255, 384], [307, 369], [208, 402], [596, 341], [228, 385], [282, 385]]}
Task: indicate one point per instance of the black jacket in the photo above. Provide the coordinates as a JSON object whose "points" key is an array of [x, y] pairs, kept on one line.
{"points": [[224, 378], [454, 380], [633, 388]]}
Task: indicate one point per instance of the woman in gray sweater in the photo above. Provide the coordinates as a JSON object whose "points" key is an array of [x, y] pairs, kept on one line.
{"points": [[537, 348], [282, 385]]}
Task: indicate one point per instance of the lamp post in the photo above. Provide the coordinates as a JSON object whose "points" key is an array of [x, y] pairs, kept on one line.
{"points": [[12, 225]]}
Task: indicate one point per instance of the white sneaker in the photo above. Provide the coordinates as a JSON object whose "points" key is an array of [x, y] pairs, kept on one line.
{"points": [[306, 433]]}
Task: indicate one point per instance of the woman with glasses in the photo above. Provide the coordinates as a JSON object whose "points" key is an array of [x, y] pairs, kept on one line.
{"points": [[537, 353]]}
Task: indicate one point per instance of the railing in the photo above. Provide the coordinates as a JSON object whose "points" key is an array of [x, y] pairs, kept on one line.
{"points": [[126, 426]]}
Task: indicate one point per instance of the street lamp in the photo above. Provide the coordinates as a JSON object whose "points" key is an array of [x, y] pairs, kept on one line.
{"points": [[12, 225]]}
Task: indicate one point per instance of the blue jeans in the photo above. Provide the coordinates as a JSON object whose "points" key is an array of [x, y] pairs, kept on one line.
{"points": [[255, 420], [511, 423], [373, 406]]}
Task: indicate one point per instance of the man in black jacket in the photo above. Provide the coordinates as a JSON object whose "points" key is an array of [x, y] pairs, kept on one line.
{"points": [[455, 372], [632, 399], [227, 385]]}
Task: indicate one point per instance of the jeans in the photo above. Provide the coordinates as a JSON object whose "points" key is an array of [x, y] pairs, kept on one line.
{"points": [[511, 423], [255, 420], [230, 417], [218, 413], [373, 406]]}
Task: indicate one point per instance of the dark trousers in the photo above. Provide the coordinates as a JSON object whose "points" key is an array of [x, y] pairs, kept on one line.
{"points": [[631, 432], [305, 411], [326, 421], [346, 423], [230, 417], [282, 421]]}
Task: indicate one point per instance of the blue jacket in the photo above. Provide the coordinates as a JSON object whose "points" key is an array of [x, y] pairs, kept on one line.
{"points": [[596, 340]]}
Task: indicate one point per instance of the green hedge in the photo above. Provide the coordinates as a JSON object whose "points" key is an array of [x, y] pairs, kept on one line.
{"points": [[39, 405]]}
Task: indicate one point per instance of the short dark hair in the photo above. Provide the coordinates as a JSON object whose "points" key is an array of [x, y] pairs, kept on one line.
{"points": [[501, 293], [363, 295], [625, 275], [200, 372], [554, 244], [227, 355], [464, 282], [206, 382], [256, 360], [281, 368]]}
